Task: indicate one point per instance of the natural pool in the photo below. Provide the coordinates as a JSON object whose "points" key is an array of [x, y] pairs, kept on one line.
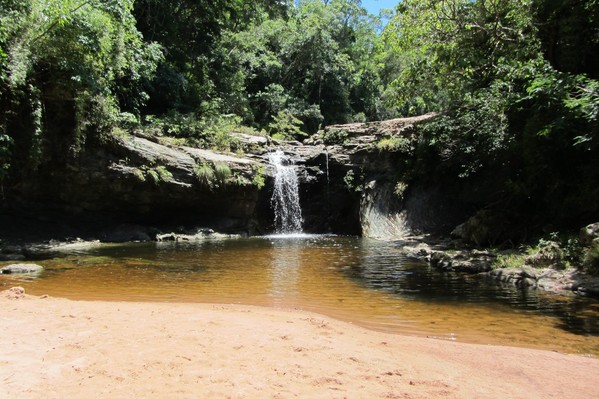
{"points": [[366, 282]]}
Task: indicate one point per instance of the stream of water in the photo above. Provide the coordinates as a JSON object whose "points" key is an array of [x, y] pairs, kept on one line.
{"points": [[366, 282], [285, 199]]}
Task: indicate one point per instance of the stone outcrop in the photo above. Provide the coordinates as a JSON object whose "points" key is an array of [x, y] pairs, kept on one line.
{"points": [[355, 181], [589, 235], [473, 261], [198, 235], [137, 180], [447, 256], [22, 268]]}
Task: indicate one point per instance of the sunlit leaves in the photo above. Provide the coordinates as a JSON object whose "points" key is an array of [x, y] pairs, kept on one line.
{"points": [[445, 48], [317, 64]]}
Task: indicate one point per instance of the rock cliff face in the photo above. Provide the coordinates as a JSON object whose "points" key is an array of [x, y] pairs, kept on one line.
{"points": [[135, 180], [349, 183]]}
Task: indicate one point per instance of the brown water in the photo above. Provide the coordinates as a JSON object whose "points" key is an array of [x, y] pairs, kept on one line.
{"points": [[369, 283]]}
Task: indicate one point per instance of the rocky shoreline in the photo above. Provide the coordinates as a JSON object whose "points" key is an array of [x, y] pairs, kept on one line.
{"points": [[452, 256]]}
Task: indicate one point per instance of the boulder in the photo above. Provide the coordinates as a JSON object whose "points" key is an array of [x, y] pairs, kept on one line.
{"points": [[20, 268], [199, 235], [520, 277], [589, 234], [471, 262], [480, 229]]}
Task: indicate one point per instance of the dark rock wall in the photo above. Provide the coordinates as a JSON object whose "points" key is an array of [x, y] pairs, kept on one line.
{"points": [[133, 179]]}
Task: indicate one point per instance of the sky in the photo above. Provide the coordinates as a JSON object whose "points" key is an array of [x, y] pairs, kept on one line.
{"points": [[374, 6]]}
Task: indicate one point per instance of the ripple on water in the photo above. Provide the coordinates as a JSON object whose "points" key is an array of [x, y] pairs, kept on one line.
{"points": [[366, 282]]}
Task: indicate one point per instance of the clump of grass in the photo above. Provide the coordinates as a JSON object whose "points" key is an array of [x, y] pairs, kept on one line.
{"points": [[139, 174], [157, 174], [511, 260], [205, 174], [163, 173], [393, 144], [222, 172]]}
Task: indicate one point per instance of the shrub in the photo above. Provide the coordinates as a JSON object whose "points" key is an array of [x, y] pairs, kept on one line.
{"points": [[285, 126], [590, 263], [335, 136], [258, 179], [209, 132], [548, 253]]}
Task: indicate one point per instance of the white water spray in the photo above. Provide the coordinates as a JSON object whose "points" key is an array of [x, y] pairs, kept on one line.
{"points": [[285, 196]]}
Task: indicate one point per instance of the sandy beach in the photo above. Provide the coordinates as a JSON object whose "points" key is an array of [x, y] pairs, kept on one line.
{"points": [[57, 348]]}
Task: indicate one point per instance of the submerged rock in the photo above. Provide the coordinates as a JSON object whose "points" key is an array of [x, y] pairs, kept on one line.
{"points": [[4, 257], [21, 268]]}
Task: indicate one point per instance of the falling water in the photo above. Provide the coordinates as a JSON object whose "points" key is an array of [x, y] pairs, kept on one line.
{"points": [[326, 154], [285, 196]]}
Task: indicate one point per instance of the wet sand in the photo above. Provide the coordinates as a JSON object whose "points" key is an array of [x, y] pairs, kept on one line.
{"points": [[58, 348]]}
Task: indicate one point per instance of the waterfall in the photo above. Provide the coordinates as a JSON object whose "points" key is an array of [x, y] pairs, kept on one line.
{"points": [[285, 196], [326, 154]]}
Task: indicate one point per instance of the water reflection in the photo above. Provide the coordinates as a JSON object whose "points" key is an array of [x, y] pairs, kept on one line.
{"points": [[383, 267], [285, 270], [369, 283]]}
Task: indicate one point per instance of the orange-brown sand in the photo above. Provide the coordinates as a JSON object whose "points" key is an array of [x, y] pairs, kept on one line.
{"points": [[56, 348]]}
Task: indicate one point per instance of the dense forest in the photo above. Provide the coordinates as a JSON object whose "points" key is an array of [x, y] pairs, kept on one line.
{"points": [[515, 83]]}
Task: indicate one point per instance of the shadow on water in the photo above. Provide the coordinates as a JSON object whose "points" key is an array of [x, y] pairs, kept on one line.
{"points": [[382, 266]]}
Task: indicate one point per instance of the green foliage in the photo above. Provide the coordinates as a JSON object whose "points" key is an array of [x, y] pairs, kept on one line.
{"points": [[163, 173], [555, 251], [73, 65], [449, 48], [510, 260], [353, 181], [285, 126], [258, 176], [394, 144], [157, 174], [222, 172], [213, 132], [139, 174], [591, 260], [335, 136], [316, 63], [400, 189], [6, 143], [205, 174], [217, 175]]}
